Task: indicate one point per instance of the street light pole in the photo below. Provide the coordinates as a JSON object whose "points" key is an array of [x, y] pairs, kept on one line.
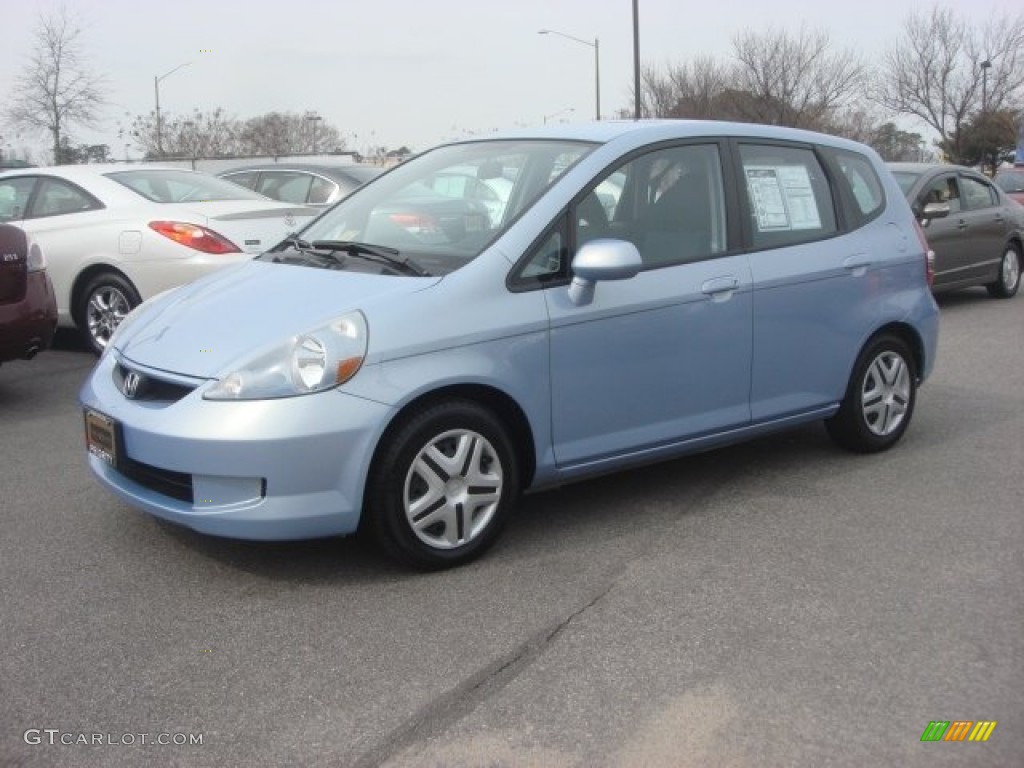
{"points": [[596, 45], [636, 60], [313, 118], [986, 65], [156, 92]]}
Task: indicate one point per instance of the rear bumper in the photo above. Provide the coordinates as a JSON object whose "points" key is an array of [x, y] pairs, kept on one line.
{"points": [[26, 326]]}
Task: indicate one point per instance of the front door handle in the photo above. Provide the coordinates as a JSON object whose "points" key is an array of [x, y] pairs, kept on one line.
{"points": [[720, 288], [962, 224]]}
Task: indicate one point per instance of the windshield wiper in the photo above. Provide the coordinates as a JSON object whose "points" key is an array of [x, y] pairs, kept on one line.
{"points": [[377, 253], [306, 250]]}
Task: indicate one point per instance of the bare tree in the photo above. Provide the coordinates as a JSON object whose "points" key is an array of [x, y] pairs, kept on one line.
{"points": [[944, 71], [692, 90], [792, 80], [776, 78], [288, 133], [56, 89], [201, 134]]}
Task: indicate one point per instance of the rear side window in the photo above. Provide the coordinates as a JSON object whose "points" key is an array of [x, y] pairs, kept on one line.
{"points": [[56, 197], [863, 184], [788, 194], [14, 196], [287, 186], [978, 194]]}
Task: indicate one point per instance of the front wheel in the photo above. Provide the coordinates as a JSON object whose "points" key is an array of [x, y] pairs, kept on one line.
{"points": [[103, 304], [442, 485], [1009, 274], [879, 399]]}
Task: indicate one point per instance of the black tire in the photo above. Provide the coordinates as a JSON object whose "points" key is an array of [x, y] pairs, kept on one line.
{"points": [[1008, 282], [100, 307], [880, 397], [452, 533]]}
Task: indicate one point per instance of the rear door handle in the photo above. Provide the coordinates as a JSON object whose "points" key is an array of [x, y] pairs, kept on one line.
{"points": [[858, 264], [962, 224]]}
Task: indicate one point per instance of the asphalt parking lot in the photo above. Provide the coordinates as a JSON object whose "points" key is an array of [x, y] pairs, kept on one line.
{"points": [[780, 603]]}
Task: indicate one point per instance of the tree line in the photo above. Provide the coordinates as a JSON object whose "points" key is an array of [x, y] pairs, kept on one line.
{"points": [[963, 81]]}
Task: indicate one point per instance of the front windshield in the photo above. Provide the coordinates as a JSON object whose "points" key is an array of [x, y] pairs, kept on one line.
{"points": [[167, 185], [906, 179], [442, 208]]}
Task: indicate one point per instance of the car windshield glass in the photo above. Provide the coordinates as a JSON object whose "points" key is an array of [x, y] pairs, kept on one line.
{"points": [[1010, 181], [906, 179], [171, 186], [443, 208]]}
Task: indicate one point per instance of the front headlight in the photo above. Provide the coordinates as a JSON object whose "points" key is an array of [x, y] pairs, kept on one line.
{"points": [[307, 363]]}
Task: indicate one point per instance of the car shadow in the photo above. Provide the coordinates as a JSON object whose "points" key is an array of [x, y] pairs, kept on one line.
{"points": [[544, 524]]}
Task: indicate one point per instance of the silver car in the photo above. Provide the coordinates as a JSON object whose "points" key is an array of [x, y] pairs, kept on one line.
{"points": [[408, 364]]}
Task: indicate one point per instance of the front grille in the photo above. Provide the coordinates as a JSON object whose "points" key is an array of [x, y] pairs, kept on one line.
{"points": [[177, 485], [149, 388]]}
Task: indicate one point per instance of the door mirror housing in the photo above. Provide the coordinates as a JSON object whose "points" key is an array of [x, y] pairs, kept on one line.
{"points": [[598, 260]]}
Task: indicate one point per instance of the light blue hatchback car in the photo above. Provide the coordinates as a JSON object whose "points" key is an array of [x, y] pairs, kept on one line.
{"points": [[414, 359]]}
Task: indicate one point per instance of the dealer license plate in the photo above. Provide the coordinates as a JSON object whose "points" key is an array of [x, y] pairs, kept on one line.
{"points": [[101, 436]]}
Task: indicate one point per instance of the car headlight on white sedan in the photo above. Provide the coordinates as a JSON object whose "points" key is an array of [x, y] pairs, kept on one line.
{"points": [[309, 362]]}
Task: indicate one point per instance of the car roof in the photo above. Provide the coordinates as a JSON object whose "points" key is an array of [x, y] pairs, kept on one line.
{"points": [[923, 168], [352, 171], [650, 130]]}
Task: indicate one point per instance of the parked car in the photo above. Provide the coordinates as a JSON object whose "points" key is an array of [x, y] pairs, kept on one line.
{"points": [[1011, 181], [28, 308], [975, 230], [115, 235], [303, 183], [412, 387]]}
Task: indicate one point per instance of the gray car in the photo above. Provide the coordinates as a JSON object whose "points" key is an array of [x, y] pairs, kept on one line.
{"points": [[975, 230], [313, 184]]}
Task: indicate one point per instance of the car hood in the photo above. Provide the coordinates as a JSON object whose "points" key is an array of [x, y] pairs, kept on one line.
{"points": [[254, 226], [213, 326]]}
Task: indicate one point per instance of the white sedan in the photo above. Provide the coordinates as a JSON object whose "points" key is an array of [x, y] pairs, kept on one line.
{"points": [[114, 235]]}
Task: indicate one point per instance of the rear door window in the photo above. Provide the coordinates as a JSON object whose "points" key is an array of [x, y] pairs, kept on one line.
{"points": [[977, 194], [788, 195]]}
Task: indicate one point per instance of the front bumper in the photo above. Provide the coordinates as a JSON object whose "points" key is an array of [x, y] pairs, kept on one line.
{"points": [[292, 468]]}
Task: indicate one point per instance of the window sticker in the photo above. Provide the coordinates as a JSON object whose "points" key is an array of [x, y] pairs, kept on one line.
{"points": [[782, 197]]}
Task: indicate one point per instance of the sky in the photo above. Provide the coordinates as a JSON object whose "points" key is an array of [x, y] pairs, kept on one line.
{"points": [[412, 72]]}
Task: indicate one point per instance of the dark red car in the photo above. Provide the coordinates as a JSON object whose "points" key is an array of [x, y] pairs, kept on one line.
{"points": [[28, 306]]}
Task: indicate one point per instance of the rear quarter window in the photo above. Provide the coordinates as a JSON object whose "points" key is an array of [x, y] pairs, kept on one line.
{"points": [[861, 186]]}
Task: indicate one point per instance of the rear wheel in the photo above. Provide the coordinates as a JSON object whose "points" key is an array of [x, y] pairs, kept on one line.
{"points": [[1009, 274], [105, 301], [442, 486], [879, 400]]}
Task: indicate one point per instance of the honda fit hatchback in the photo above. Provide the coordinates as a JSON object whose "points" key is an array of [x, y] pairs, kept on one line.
{"points": [[408, 369]]}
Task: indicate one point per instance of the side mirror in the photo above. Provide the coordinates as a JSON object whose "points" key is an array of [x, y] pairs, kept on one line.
{"points": [[934, 211], [601, 260]]}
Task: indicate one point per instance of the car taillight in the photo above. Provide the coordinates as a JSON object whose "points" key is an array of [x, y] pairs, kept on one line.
{"points": [[194, 236], [929, 254], [417, 223]]}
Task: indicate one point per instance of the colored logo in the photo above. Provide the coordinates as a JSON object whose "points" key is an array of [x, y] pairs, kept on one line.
{"points": [[958, 730]]}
